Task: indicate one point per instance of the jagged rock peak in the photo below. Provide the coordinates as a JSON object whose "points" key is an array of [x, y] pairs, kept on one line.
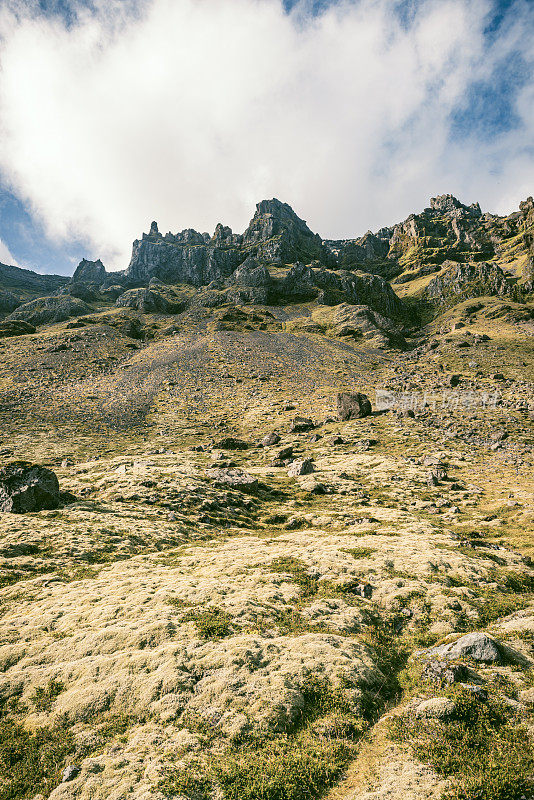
{"points": [[449, 203], [277, 216], [89, 272]]}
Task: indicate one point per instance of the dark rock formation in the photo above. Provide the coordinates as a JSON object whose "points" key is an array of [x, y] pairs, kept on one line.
{"points": [[277, 235], [27, 487], [352, 405], [459, 282], [186, 257], [45, 310], [89, 272], [151, 300]]}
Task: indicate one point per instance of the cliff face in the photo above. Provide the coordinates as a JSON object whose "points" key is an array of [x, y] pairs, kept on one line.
{"points": [[275, 235], [446, 253]]}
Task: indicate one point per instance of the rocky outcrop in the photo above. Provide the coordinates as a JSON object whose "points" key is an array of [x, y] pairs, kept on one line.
{"points": [[89, 272], [186, 257], [44, 310], [358, 321], [8, 302], [27, 487], [152, 300], [277, 235], [369, 253], [459, 282]]}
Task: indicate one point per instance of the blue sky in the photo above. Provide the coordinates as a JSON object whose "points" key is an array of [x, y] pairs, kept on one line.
{"points": [[116, 112]]}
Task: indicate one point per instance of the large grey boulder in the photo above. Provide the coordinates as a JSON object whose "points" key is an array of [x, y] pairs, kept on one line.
{"points": [[234, 479], [352, 405], [45, 310], [27, 487], [479, 647], [302, 466]]}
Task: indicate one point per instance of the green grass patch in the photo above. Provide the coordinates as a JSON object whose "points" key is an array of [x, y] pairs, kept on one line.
{"points": [[31, 762], [44, 696], [212, 623], [360, 552], [286, 768], [299, 572], [482, 749]]}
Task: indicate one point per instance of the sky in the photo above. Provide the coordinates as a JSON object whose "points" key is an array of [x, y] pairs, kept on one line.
{"points": [[355, 112]]}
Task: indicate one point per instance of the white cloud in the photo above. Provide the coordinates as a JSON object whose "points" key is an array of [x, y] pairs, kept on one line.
{"points": [[190, 111], [5, 255]]}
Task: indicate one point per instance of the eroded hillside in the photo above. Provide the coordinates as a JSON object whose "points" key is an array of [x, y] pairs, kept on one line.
{"points": [[241, 595]]}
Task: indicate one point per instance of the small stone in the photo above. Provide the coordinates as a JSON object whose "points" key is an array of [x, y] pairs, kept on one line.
{"points": [[270, 440], [300, 425], [69, 773]]}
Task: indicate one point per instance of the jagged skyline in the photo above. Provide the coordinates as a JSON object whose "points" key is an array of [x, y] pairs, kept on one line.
{"points": [[354, 112]]}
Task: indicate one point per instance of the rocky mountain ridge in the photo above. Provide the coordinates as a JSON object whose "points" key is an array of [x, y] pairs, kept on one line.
{"points": [[448, 253]]}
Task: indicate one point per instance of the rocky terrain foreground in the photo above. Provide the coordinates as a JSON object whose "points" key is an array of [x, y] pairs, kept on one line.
{"points": [[266, 516]]}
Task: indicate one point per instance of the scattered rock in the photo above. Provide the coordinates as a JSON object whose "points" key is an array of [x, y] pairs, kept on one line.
{"points": [[69, 773], [444, 672], [270, 439], [230, 443], [479, 647]]}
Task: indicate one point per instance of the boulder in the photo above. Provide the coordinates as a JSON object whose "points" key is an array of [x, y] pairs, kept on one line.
{"points": [[234, 479], [301, 467], [230, 443], [435, 708], [479, 647], [270, 440], [27, 487], [300, 425], [352, 405], [151, 300]]}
